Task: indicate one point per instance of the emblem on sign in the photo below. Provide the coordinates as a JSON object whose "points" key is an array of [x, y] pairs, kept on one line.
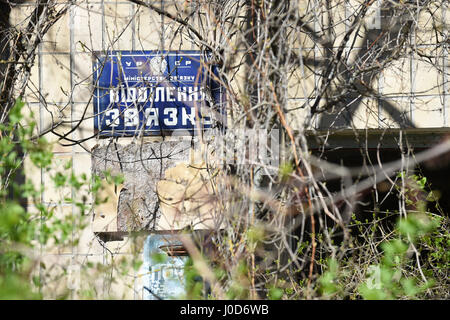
{"points": [[158, 65]]}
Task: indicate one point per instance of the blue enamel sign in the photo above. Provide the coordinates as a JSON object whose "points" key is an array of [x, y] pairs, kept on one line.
{"points": [[163, 275], [155, 93]]}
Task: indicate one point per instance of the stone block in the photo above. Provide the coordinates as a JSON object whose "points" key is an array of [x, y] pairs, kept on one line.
{"points": [[142, 167]]}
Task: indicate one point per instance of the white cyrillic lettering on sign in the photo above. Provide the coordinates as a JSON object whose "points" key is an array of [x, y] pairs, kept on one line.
{"points": [[172, 120], [131, 94], [113, 96], [185, 116], [182, 96], [159, 94], [151, 114], [131, 117], [112, 118], [193, 93], [170, 91], [142, 94]]}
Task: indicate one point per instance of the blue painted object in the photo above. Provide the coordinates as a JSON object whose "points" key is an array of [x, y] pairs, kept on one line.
{"points": [[164, 279], [156, 93]]}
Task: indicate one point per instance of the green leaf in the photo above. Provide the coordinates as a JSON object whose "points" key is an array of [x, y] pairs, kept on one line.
{"points": [[15, 114], [158, 257], [275, 293], [286, 169]]}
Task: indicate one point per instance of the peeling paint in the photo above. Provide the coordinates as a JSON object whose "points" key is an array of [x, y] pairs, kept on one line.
{"points": [[161, 190]]}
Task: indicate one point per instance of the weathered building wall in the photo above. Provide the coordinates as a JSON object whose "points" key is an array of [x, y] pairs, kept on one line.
{"points": [[411, 93], [60, 90]]}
